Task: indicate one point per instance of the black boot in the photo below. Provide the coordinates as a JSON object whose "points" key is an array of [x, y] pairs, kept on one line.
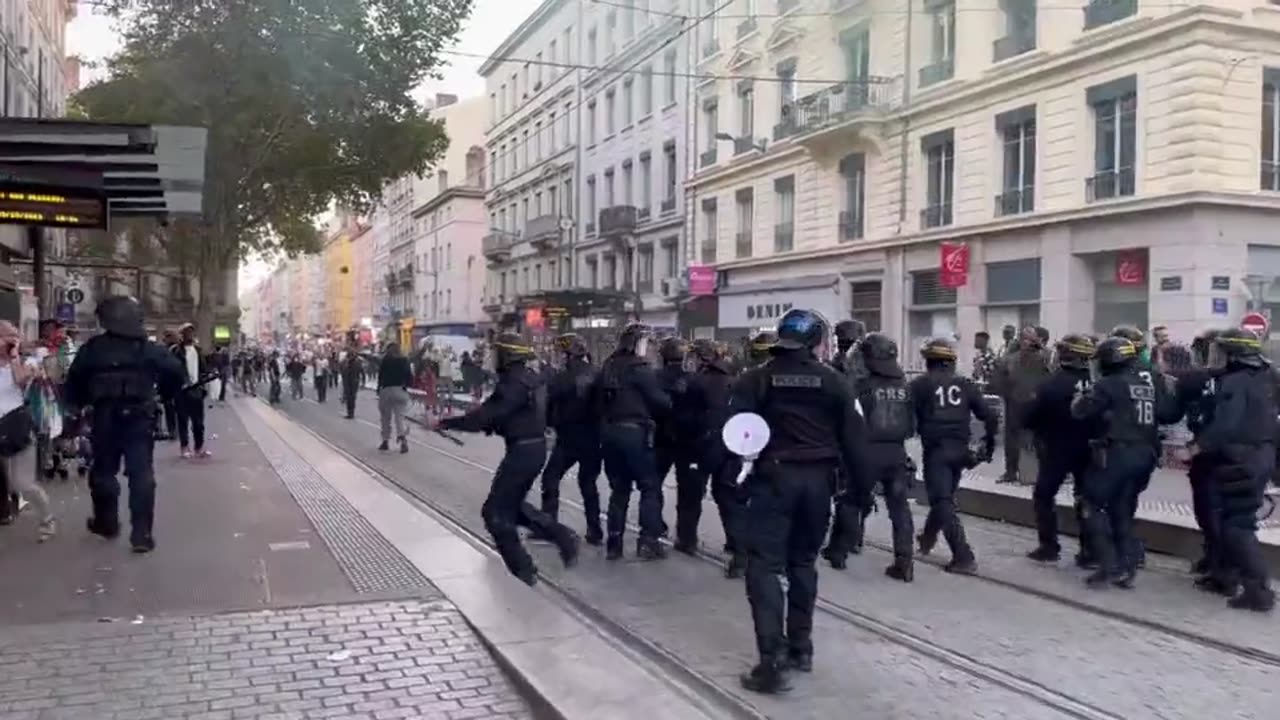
{"points": [[736, 567], [108, 530], [404, 445], [688, 547], [835, 557], [800, 662], [650, 550], [383, 445], [613, 549], [925, 543], [594, 535], [1010, 478], [1255, 597], [903, 568], [1044, 554], [568, 544], [766, 678]]}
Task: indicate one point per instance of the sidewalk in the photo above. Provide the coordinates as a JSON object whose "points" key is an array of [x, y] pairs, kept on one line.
{"points": [[269, 596]]}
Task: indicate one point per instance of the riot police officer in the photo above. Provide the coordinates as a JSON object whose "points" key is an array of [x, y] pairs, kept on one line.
{"points": [[759, 349], [847, 360], [709, 390], [814, 429], [516, 412], [569, 412], [1065, 443], [1193, 393], [676, 442], [943, 402], [627, 398], [1240, 438], [888, 412], [118, 374], [1121, 409], [1165, 404]]}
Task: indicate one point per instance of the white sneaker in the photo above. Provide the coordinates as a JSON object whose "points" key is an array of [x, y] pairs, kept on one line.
{"points": [[47, 529]]}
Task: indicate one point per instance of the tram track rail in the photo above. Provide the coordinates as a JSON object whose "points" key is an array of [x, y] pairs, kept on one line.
{"points": [[1065, 703], [1201, 639], [701, 691]]}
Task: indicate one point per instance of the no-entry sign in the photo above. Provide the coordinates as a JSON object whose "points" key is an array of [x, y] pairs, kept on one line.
{"points": [[1255, 323]]}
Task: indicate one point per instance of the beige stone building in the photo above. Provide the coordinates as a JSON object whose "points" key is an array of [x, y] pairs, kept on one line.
{"points": [[1101, 161]]}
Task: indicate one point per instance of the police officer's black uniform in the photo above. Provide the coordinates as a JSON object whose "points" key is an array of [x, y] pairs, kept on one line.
{"points": [[516, 411], [889, 415], [1064, 440], [943, 402], [627, 398], [1120, 409], [1193, 399], [709, 391], [676, 442], [814, 429], [570, 413], [1166, 409], [1240, 438], [847, 358], [118, 373]]}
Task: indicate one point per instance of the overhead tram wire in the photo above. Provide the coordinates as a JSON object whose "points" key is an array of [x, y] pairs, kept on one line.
{"points": [[518, 143], [872, 80], [864, 14]]}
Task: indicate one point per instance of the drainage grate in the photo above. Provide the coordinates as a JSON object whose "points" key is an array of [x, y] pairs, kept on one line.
{"points": [[369, 560]]}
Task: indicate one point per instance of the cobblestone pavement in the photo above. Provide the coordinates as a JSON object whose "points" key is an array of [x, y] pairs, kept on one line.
{"points": [[373, 661]]}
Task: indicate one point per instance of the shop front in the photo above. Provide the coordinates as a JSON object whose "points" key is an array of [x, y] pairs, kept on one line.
{"points": [[746, 309]]}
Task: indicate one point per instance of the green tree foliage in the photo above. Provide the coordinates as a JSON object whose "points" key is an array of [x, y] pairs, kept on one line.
{"points": [[307, 103]]}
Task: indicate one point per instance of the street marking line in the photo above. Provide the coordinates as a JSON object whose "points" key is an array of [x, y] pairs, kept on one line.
{"points": [[292, 545]]}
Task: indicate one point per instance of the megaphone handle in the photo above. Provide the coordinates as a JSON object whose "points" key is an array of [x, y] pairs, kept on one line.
{"points": [[747, 462]]}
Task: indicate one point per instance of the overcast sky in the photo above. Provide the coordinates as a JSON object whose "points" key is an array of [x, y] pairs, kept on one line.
{"points": [[92, 37]]}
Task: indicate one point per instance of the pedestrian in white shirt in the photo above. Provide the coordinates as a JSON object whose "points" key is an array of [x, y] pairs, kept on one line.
{"points": [[14, 378]]}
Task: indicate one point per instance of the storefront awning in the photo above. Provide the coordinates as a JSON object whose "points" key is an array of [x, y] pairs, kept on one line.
{"points": [[155, 170]]}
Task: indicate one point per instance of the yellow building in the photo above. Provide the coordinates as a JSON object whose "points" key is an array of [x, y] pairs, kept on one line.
{"points": [[339, 256]]}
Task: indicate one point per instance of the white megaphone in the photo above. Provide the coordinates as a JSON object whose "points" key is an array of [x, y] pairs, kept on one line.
{"points": [[745, 435]]}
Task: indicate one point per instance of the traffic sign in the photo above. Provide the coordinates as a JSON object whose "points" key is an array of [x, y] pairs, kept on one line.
{"points": [[75, 296], [65, 313], [1255, 323]]}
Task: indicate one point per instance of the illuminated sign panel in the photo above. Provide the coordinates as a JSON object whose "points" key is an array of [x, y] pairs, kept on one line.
{"points": [[21, 205]]}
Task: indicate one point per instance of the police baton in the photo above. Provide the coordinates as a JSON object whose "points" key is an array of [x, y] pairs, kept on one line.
{"points": [[448, 436]]}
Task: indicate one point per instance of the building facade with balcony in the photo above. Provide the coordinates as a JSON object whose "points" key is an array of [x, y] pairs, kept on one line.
{"points": [[450, 222], [532, 145], [1100, 162], [635, 132]]}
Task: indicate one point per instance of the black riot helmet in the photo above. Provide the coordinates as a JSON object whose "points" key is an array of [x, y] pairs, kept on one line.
{"points": [[880, 354], [760, 346], [571, 345], [1203, 343], [1076, 351], [801, 330], [938, 352], [705, 351], [634, 339], [849, 332], [1115, 354], [1240, 347], [121, 315], [1132, 334], [509, 349], [672, 349]]}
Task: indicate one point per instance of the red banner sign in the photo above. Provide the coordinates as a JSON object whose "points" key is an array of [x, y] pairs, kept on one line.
{"points": [[1131, 267], [953, 271], [702, 280]]}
